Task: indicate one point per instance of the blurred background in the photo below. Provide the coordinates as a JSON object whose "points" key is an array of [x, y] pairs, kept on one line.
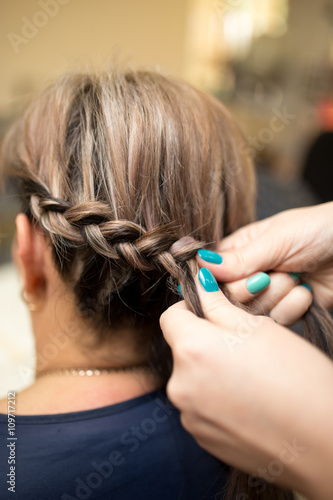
{"points": [[269, 61]]}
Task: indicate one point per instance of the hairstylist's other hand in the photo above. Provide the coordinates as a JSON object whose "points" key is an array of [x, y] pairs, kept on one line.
{"points": [[294, 241], [252, 393]]}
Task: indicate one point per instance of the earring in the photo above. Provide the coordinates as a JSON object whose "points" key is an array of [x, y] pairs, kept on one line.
{"points": [[31, 306]]}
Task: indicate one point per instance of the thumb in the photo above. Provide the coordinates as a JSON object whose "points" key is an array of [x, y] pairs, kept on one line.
{"points": [[231, 324], [179, 324], [216, 307]]}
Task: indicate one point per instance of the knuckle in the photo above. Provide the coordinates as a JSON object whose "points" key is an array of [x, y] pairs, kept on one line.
{"points": [[235, 291], [240, 260], [164, 319], [171, 390], [307, 298], [169, 322], [189, 350], [186, 421], [177, 392], [215, 307]]}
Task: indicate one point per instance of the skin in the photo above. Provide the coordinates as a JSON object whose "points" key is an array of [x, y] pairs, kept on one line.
{"points": [[56, 317], [298, 240], [245, 424], [246, 385]]}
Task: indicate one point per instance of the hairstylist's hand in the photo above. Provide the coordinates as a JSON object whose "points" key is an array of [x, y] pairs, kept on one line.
{"points": [[252, 393], [294, 241]]}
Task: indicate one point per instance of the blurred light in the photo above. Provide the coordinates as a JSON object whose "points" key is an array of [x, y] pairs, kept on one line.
{"points": [[238, 32], [268, 17], [223, 30]]}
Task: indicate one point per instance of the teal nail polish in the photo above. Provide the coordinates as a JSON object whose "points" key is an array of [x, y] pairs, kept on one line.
{"points": [[209, 256], [295, 276], [207, 280], [180, 291], [258, 283], [308, 287]]}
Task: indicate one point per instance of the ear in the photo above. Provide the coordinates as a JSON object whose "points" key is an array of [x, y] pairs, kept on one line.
{"points": [[28, 252]]}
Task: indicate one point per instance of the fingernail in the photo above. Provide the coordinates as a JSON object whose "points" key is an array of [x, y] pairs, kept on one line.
{"points": [[295, 276], [207, 280], [180, 291], [209, 256], [258, 283], [307, 286]]}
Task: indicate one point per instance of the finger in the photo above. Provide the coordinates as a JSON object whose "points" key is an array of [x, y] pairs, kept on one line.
{"points": [[244, 235], [178, 323], [281, 285], [215, 305], [261, 303], [293, 306], [245, 290], [262, 254]]}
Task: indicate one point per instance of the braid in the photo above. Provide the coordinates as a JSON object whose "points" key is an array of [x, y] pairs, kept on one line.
{"points": [[118, 169], [126, 243]]}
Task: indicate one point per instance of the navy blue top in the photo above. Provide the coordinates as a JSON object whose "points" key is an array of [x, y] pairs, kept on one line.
{"points": [[134, 450]]}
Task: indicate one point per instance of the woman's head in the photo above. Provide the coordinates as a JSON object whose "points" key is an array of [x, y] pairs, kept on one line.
{"points": [[128, 173]]}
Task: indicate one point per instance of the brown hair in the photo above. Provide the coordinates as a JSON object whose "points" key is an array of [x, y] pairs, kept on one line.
{"points": [[129, 173]]}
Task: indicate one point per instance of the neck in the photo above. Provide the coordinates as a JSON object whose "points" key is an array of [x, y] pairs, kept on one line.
{"points": [[65, 341]]}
